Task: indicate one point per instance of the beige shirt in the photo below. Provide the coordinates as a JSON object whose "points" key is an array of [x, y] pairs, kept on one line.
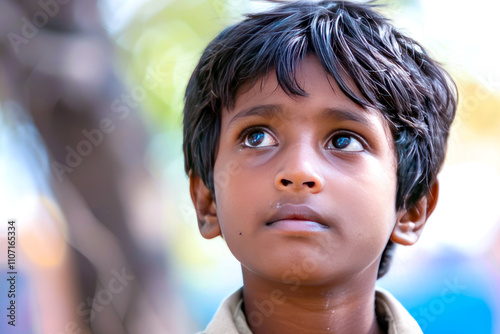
{"points": [[230, 319]]}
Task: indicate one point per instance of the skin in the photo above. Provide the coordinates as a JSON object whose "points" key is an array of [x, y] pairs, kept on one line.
{"points": [[323, 152]]}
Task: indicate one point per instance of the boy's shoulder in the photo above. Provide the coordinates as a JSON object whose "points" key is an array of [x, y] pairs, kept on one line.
{"points": [[230, 319], [393, 315]]}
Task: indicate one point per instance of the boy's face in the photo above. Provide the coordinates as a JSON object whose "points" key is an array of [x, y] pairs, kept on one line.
{"points": [[304, 184]]}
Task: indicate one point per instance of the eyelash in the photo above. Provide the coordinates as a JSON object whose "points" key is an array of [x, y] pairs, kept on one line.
{"points": [[357, 137], [242, 136], [247, 130]]}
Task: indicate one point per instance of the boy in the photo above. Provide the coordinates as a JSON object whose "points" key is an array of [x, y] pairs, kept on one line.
{"points": [[329, 127]]}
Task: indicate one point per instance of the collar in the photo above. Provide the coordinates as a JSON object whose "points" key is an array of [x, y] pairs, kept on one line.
{"points": [[230, 319]]}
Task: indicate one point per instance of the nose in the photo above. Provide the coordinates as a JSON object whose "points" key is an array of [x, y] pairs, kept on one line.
{"points": [[299, 174]]}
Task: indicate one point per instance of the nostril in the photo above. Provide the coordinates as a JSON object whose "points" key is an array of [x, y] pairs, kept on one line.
{"points": [[310, 184], [285, 182]]}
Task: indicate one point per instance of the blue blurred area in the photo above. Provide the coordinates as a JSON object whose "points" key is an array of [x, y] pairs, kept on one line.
{"points": [[25, 318], [449, 293]]}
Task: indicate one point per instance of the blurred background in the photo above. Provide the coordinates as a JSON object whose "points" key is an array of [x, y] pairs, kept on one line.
{"points": [[91, 169]]}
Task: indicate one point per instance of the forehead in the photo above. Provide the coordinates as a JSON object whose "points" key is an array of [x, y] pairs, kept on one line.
{"points": [[264, 97]]}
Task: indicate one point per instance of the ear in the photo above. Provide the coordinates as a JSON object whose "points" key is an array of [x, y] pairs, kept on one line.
{"points": [[204, 205], [410, 222]]}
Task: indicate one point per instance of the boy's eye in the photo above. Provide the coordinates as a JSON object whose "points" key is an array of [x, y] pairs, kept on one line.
{"points": [[345, 142], [258, 138]]}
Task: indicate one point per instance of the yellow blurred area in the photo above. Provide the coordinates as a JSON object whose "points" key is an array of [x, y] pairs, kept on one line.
{"points": [[475, 133], [479, 109], [171, 40], [44, 241]]}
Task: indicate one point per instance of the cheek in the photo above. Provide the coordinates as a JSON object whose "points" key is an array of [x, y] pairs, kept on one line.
{"points": [[236, 192], [372, 204], [383, 204], [239, 179], [237, 214]]}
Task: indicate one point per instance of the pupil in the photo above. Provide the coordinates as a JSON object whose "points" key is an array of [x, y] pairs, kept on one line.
{"points": [[256, 138], [342, 142]]}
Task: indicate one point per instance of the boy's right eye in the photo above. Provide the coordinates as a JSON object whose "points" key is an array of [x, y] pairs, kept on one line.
{"points": [[258, 138]]}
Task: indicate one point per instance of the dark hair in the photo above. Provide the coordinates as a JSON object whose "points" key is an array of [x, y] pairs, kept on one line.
{"points": [[392, 72]]}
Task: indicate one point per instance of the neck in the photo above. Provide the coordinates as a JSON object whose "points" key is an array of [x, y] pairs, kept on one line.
{"points": [[273, 307]]}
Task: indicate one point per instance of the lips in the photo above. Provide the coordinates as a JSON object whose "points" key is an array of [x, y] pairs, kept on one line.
{"points": [[297, 217]]}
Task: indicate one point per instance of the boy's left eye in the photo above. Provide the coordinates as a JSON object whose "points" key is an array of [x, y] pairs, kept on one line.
{"points": [[345, 142]]}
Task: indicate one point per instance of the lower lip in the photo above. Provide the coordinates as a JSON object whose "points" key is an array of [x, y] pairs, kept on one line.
{"points": [[295, 225]]}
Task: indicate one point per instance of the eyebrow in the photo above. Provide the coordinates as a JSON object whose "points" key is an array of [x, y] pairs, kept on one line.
{"points": [[346, 115], [267, 111], [270, 111]]}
